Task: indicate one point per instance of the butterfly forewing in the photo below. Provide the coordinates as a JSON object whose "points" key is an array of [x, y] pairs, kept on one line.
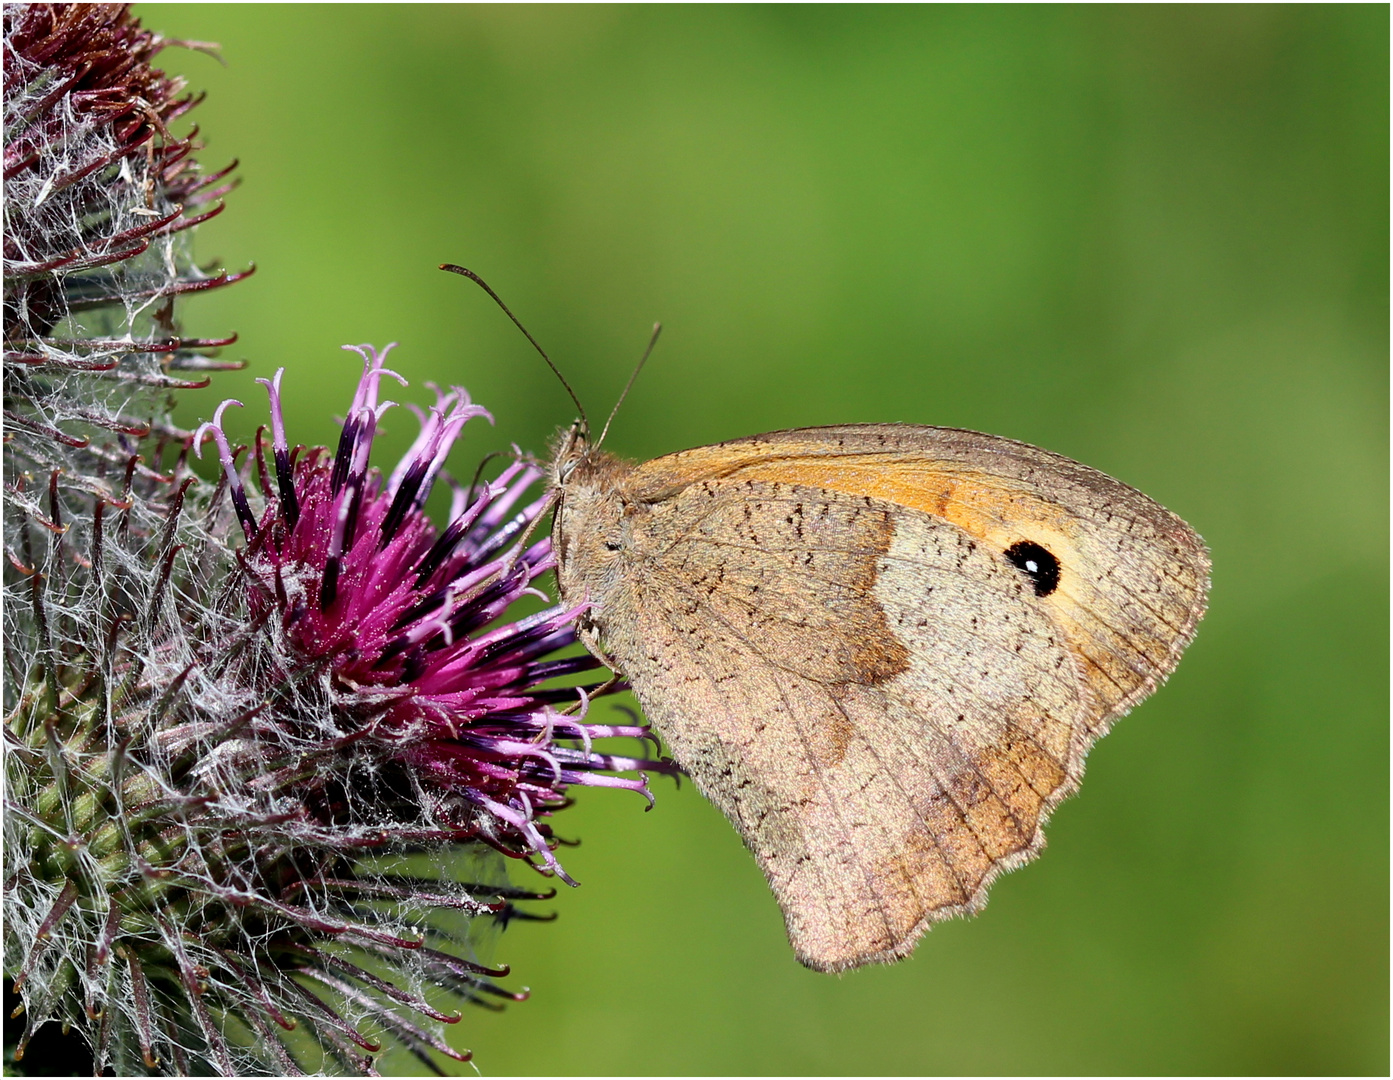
{"points": [[1133, 577]]}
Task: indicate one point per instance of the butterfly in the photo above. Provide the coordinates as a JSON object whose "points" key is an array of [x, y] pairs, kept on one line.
{"points": [[882, 650]]}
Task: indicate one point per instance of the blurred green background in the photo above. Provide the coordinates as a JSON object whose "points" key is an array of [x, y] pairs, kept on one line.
{"points": [[1151, 238]]}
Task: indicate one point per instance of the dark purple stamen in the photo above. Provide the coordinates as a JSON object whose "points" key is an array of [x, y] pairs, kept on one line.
{"points": [[329, 587], [229, 463], [285, 484], [551, 669], [404, 501], [343, 458], [280, 449], [503, 536], [244, 511]]}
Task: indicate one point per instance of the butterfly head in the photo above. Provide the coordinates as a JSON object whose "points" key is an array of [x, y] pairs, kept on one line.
{"points": [[589, 533], [571, 449]]}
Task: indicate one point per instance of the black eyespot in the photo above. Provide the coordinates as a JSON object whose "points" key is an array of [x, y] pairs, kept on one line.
{"points": [[612, 546], [1039, 565]]}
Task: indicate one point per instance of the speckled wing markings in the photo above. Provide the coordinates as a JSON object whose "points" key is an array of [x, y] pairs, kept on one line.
{"points": [[882, 650], [1134, 577], [886, 714]]}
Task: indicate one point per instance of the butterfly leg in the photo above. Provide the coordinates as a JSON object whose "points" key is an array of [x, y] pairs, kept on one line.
{"points": [[591, 640]]}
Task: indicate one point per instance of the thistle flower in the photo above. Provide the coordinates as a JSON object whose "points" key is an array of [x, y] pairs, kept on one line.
{"points": [[231, 815], [264, 737], [387, 624]]}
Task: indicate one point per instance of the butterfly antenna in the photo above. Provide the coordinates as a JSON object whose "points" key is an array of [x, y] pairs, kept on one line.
{"points": [[657, 329], [541, 351]]}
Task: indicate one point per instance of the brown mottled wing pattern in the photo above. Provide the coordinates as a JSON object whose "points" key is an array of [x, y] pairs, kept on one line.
{"points": [[1134, 578], [871, 696], [825, 627]]}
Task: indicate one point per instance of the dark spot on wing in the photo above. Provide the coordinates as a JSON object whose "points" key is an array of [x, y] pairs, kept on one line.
{"points": [[1037, 564]]}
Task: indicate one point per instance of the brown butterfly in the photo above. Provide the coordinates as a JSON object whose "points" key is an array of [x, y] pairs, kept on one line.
{"points": [[882, 650]]}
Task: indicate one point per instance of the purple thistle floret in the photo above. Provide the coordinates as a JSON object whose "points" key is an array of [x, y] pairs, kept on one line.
{"points": [[402, 624]]}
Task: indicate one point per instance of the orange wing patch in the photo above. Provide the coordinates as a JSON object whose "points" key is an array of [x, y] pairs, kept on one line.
{"points": [[983, 506]]}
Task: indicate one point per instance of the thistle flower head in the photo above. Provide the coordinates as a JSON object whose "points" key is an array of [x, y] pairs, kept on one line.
{"points": [[392, 634], [349, 696], [101, 196]]}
